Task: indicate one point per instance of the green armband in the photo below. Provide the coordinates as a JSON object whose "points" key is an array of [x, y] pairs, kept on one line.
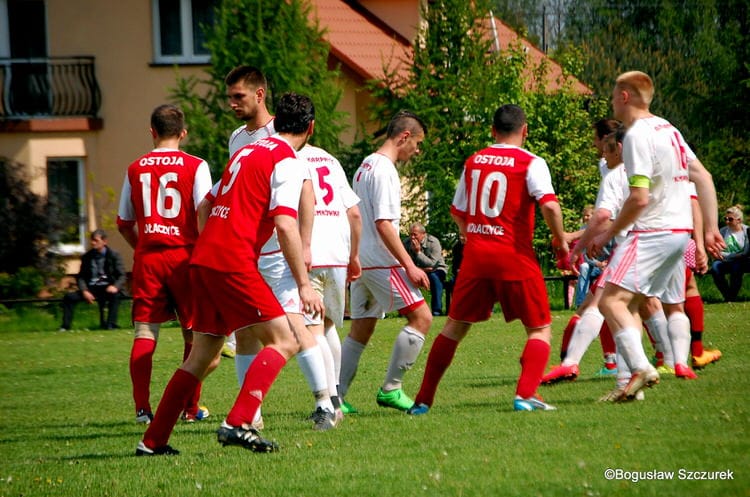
{"points": [[639, 181]]}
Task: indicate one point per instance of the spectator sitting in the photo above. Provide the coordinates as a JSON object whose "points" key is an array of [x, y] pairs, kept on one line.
{"points": [[101, 279], [427, 254], [734, 261]]}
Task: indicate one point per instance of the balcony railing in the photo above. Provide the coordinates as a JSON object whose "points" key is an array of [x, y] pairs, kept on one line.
{"points": [[48, 87]]}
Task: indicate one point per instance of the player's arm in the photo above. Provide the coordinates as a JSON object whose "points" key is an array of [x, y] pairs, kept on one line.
{"points": [[354, 270], [126, 215], [290, 241], [704, 186], [460, 223], [701, 259], [393, 243], [600, 221], [204, 206], [306, 219], [552, 215]]}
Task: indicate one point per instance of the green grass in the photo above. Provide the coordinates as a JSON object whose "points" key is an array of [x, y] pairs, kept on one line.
{"points": [[68, 424]]}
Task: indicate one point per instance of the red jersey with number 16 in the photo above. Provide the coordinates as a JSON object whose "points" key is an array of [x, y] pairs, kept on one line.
{"points": [[262, 180], [161, 192], [496, 198]]}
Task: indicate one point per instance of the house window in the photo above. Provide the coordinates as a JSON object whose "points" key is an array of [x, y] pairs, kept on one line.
{"points": [[65, 193], [178, 30]]}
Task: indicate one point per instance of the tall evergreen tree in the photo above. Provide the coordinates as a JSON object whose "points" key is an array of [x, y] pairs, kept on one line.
{"points": [[286, 43]]}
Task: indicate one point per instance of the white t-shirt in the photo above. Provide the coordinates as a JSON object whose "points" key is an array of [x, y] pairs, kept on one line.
{"points": [[377, 184], [613, 190], [333, 196], [655, 149], [241, 136]]}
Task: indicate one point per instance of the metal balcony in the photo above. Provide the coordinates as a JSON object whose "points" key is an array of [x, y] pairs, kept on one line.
{"points": [[48, 87]]}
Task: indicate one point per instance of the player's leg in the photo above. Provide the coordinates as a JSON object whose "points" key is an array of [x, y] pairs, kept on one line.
{"points": [[409, 342], [438, 361], [701, 357], [655, 322], [180, 388], [365, 312]]}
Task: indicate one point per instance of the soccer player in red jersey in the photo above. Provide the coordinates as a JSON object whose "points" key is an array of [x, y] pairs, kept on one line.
{"points": [[262, 188], [494, 208], [160, 194]]}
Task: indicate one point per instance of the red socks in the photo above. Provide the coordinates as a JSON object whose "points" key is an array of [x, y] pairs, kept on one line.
{"points": [[694, 311], [441, 355], [533, 362], [258, 380], [567, 333], [179, 389], [141, 361], [607, 340]]}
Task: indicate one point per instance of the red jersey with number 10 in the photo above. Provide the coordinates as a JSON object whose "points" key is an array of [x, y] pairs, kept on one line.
{"points": [[262, 180], [161, 192], [496, 198]]}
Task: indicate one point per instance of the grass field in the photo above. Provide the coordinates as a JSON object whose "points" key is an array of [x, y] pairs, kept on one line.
{"points": [[68, 426]]}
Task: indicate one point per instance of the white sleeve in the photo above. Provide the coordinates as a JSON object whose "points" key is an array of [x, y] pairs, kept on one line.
{"points": [[126, 211], [386, 195], [202, 183], [460, 198], [286, 184], [538, 179]]}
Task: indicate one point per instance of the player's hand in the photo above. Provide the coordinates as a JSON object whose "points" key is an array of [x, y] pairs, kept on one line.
{"points": [[417, 276], [596, 247], [701, 260], [714, 242], [353, 270], [112, 289], [311, 301]]}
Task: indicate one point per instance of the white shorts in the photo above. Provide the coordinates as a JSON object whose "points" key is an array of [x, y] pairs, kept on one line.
{"points": [[651, 264], [330, 284], [278, 275], [379, 291]]}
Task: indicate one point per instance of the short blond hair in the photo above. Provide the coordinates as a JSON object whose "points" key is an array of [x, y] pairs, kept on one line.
{"points": [[637, 83], [736, 211]]}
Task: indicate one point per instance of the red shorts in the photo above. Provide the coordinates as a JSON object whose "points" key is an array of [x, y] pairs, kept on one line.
{"points": [[226, 302], [474, 298], [161, 286]]}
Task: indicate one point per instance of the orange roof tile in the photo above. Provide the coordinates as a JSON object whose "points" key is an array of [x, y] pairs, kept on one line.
{"points": [[366, 47], [359, 43]]}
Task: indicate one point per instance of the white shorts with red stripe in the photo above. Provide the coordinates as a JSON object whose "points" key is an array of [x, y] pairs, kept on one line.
{"points": [[651, 264], [381, 290]]}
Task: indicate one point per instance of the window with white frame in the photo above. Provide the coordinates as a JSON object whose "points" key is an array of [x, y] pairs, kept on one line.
{"points": [[178, 30], [66, 197]]}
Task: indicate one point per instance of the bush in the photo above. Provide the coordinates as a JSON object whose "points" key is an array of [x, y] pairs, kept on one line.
{"points": [[27, 282]]}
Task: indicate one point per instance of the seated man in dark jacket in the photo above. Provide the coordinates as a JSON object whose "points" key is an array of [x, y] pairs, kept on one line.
{"points": [[101, 279], [427, 254]]}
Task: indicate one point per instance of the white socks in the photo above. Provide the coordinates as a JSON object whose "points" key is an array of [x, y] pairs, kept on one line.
{"points": [[313, 367], [405, 352], [679, 334], [629, 344], [586, 330], [657, 326], [351, 351]]}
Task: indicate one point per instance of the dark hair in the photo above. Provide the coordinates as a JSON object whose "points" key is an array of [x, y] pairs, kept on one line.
{"points": [[404, 120], [294, 113], [508, 118], [167, 120], [618, 134], [98, 233], [251, 76], [605, 127]]}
